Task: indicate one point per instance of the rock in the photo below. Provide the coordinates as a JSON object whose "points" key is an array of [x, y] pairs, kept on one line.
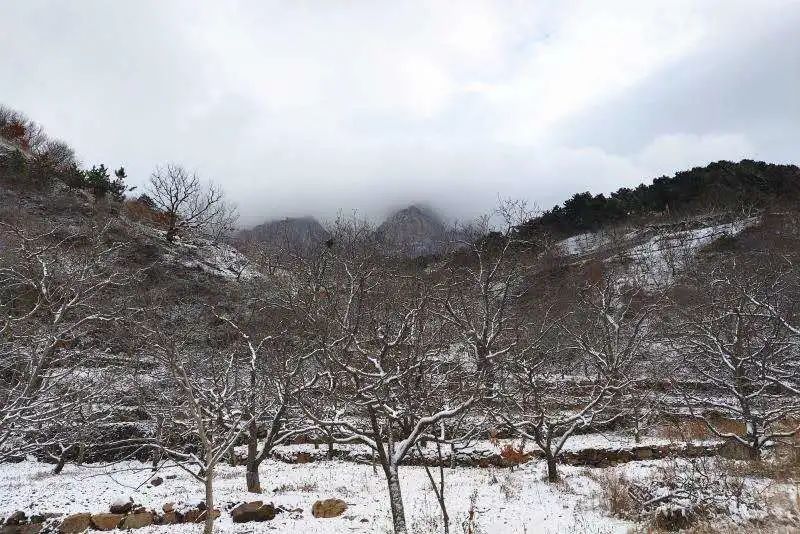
{"points": [[42, 517], [191, 516], [168, 507], [157, 481], [197, 516], [304, 458], [121, 507], [75, 523], [253, 511], [328, 508], [734, 450], [16, 518], [32, 528], [142, 519], [171, 518], [106, 521]]}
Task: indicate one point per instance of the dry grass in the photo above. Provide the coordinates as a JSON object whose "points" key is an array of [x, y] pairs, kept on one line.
{"points": [[695, 429], [304, 487], [510, 487], [615, 493]]}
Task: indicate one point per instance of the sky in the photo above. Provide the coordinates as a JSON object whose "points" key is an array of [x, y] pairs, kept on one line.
{"points": [[312, 107]]}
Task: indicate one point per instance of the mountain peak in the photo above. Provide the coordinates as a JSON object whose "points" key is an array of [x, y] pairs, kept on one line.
{"points": [[412, 231]]}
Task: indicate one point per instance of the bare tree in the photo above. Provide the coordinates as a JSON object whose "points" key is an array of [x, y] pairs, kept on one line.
{"points": [[206, 408], [56, 288], [386, 376], [273, 361], [734, 329], [482, 283], [188, 203], [575, 366]]}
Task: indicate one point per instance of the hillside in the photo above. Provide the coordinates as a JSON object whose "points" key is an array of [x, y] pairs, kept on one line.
{"points": [[717, 187]]}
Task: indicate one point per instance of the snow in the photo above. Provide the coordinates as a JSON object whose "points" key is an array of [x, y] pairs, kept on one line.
{"points": [[212, 257], [582, 243], [657, 258], [215, 258], [505, 501]]}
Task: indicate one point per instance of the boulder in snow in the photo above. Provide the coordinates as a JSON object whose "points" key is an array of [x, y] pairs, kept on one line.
{"points": [[328, 508], [253, 511], [121, 506], [75, 523], [142, 519], [106, 521]]}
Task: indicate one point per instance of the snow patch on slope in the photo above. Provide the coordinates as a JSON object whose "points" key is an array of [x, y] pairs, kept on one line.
{"points": [[218, 259], [663, 256]]}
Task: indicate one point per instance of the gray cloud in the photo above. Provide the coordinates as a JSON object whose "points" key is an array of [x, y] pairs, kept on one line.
{"points": [[309, 108]]}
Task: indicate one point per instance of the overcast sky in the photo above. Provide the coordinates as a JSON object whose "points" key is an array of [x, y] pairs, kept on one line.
{"points": [[303, 107]]}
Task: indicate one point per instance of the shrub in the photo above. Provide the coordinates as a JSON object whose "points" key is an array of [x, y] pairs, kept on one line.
{"points": [[514, 456]]}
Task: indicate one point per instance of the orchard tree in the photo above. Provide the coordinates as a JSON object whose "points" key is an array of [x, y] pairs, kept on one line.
{"points": [[205, 401], [481, 285], [578, 361], [734, 326], [386, 378], [273, 356], [57, 288]]}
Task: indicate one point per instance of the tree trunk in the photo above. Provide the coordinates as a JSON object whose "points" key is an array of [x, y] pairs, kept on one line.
{"points": [[754, 451], [396, 501], [62, 459], [209, 524], [253, 480], [81, 453], [552, 469]]}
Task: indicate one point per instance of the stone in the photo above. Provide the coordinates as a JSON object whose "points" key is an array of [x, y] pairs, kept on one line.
{"points": [[26, 528], [16, 518], [328, 508], [197, 516], [142, 519], [121, 507], [106, 521], [170, 518], [253, 511], [168, 507], [157, 481], [43, 516], [75, 523], [191, 516]]}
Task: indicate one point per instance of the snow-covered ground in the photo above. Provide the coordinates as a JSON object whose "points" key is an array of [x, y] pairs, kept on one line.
{"points": [[504, 501]]}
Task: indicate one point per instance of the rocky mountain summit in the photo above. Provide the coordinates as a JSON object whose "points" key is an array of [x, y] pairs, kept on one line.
{"points": [[412, 231], [299, 233]]}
